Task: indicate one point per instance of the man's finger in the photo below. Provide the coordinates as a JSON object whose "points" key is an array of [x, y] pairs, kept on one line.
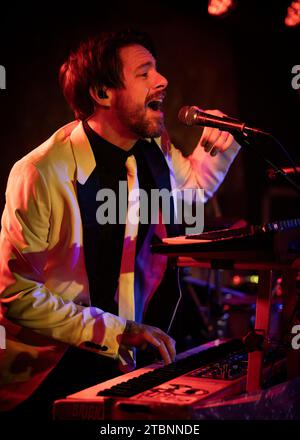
{"points": [[204, 138], [220, 143], [163, 343], [149, 337], [170, 345], [230, 141], [211, 139], [164, 353]]}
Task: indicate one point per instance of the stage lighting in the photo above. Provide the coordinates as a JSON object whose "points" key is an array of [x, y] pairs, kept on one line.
{"points": [[219, 7], [293, 14]]}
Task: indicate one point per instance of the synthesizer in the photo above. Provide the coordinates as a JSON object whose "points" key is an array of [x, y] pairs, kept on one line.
{"points": [[271, 242], [206, 373]]}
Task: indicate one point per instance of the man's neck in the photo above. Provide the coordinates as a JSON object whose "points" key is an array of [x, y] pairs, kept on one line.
{"points": [[112, 132]]}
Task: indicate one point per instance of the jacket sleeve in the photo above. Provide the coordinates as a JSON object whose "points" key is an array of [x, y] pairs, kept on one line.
{"points": [[23, 255], [200, 169]]}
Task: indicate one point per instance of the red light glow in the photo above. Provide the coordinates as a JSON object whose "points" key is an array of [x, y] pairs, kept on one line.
{"points": [[219, 7], [236, 280], [293, 14]]}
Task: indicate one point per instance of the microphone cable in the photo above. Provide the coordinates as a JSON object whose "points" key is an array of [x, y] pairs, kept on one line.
{"points": [[285, 151], [242, 139]]}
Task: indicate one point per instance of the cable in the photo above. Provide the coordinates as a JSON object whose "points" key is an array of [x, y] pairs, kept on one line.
{"points": [[242, 140], [178, 302], [284, 150], [291, 160]]}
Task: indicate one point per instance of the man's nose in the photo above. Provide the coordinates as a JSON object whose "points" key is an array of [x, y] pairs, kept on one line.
{"points": [[161, 82]]}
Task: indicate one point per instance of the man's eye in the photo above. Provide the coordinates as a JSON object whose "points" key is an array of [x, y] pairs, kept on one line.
{"points": [[145, 74]]}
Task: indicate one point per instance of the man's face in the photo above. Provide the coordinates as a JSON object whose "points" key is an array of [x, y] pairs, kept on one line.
{"points": [[138, 106]]}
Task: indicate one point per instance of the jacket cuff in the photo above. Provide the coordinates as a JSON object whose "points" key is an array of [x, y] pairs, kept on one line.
{"points": [[104, 335]]}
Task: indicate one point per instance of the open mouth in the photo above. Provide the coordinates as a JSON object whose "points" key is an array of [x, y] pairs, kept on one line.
{"points": [[155, 104]]}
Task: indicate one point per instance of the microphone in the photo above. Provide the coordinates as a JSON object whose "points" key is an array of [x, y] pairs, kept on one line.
{"points": [[195, 116]]}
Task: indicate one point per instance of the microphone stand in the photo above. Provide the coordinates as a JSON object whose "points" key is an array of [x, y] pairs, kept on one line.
{"points": [[242, 139]]}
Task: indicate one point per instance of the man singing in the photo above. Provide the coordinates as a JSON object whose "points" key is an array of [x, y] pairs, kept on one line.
{"points": [[74, 293]]}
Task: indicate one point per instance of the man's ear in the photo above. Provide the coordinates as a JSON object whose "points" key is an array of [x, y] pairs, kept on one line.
{"points": [[101, 96]]}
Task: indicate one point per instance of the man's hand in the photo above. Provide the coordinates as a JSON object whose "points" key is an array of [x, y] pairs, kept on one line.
{"points": [[214, 140], [140, 335]]}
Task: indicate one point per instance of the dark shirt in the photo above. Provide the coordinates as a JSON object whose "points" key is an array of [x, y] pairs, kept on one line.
{"points": [[109, 238]]}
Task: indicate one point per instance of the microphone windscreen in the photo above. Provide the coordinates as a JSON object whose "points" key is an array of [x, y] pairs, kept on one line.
{"points": [[187, 114]]}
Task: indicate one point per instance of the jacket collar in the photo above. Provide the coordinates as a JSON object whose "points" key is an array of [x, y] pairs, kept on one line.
{"points": [[83, 154]]}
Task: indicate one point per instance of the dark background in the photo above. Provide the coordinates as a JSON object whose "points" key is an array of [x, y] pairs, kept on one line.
{"points": [[240, 63]]}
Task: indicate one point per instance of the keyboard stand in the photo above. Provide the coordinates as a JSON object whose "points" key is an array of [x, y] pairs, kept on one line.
{"points": [[247, 261]]}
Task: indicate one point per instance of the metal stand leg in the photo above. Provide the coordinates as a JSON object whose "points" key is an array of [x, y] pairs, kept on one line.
{"points": [[262, 319]]}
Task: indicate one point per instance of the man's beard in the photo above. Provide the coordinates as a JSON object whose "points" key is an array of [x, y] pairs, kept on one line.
{"points": [[140, 123]]}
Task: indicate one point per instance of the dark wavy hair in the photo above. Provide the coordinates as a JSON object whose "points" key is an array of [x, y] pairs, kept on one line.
{"points": [[96, 63]]}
